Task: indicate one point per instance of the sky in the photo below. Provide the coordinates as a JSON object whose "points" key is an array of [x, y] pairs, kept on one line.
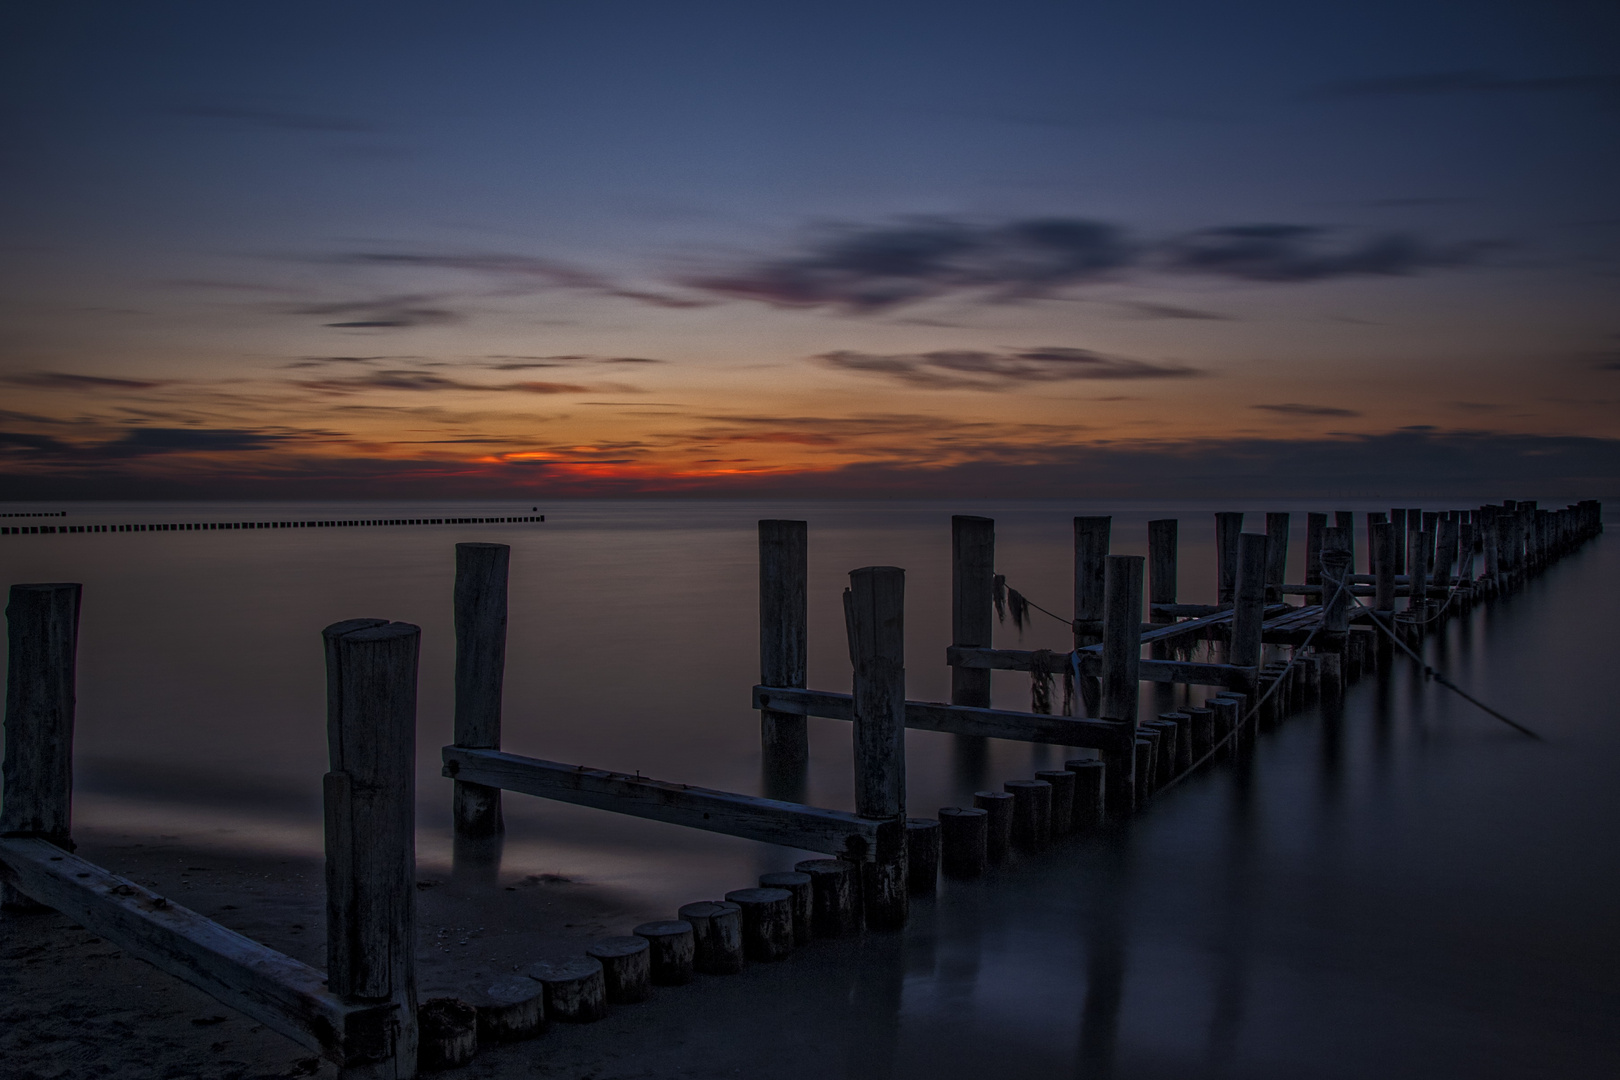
{"points": [[302, 250]]}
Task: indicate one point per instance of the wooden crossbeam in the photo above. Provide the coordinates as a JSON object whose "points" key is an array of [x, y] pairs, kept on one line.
{"points": [[273, 989], [1157, 671], [769, 821], [951, 719]]}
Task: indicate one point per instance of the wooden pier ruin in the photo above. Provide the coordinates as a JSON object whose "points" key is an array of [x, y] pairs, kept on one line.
{"points": [[1267, 659]]}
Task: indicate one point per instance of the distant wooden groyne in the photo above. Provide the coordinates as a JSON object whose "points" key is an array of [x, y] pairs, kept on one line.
{"points": [[226, 526], [1267, 660]]}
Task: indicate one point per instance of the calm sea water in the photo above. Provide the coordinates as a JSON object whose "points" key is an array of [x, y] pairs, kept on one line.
{"points": [[1403, 888]]}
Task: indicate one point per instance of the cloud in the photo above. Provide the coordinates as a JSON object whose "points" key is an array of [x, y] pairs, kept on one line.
{"points": [[274, 118], [967, 369], [522, 273], [1290, 408], [142, 441], [383, 313], [62, 380], [1472, 81], [1296, 253], [423, 381], [524, 363], [864, 270], [1148, 310]]}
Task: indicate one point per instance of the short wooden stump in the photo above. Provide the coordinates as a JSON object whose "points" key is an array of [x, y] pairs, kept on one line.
{"points": [[669, 951], [575, 990], [625, 968]]}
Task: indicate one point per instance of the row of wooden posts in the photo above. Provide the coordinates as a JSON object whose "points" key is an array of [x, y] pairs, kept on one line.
{"points": [[363, 1011]]}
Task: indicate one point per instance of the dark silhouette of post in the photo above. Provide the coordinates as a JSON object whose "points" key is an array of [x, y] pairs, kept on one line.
{"points": [[1383, 550], [480, 616], [1228, 527], [1276, 555], [783, 637], [1091, 538], [1162, 545], [1121, 661], [42, 636], [370, 803], [973, 571], [874, 608], [1249, 599]]}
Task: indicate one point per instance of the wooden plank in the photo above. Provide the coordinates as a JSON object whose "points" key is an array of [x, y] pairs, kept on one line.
{"points": [[1154, 671], [275, 990], [951, 719], [769, 821]]}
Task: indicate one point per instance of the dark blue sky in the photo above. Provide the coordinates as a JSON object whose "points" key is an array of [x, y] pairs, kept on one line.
{"points": [[1218, 221]]}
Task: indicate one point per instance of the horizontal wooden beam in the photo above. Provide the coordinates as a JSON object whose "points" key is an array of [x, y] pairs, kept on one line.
{"points": [[951, 719], [769, 821], [275, 990], [1156, 671]]}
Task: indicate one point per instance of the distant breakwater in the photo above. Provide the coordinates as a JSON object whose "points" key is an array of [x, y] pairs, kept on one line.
{"points": [[213, 526]]}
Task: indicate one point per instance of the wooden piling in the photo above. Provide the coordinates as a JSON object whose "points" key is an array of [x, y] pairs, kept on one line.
{"points": [[370, 810], [448, 1033], [783, 637], [1314, 524], [998, 805], [1383, 547], [767, 922], [1228, 527], [797, 883], [1397, 528], [835, 892], [1089, 787], [1091, 538], [1062, 782], [1202, 722], [922, 856], [509, 1009], [1417, 569], [42, 634], [1146, 758], [669, 951], [480, 621], [1185, 738], [973, 569], [1162, 544], [575, 989], [1346, 520], [717, 943], [1032, 813], [1249, 603], [1122, 636], [962, 835], [1373, 518], [1445, 551], [626, 967], [1276, 555], [875, 611]]}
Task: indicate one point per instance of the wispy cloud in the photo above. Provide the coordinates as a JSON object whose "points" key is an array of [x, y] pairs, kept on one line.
{"points": [[1294, 408], [62, 380], [392, 312], [1300, 253], [522, 274], [969, 369], [427, 382]]}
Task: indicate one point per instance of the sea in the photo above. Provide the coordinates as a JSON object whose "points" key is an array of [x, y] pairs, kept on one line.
{"points": [[1398, 886]]}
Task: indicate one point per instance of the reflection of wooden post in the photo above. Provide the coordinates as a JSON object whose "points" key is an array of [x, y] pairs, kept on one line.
{"points": [[42, 632], [973, 571], [1228, 526], [370, 798], [874, 606], [480, 614], [1276, 556], [783, 571]]}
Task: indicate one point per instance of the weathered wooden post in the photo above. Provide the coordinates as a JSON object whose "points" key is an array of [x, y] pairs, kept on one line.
{"points": [[1276, 555], [1314, 524], [1346, 520], [42, 638], [1162, 544], [1417, 570], [874, 606], [973, 571], [1445, 551], [480, 617], [783, 575], [1373, 518], [1091, 538], [370, 802], [1249, 600], [1397, 525], [1228, 527], [1336, 566], [1121, 662], [1383, 550]]}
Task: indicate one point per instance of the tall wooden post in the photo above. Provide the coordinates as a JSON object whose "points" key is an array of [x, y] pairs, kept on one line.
{"points": [[1249, 600], [42, 638], [1336, 567], [1346, 520], [1228, 527], [1373, 518], [1314, 524], [1276, 555], [1091, 537], [480, 616], [1397, 525], [1162, 544], [1417, 571], [1384, 567], [1122, 637], [973, 571], [370, 800], [874, 609], [1445, 551], [784, 560]]}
